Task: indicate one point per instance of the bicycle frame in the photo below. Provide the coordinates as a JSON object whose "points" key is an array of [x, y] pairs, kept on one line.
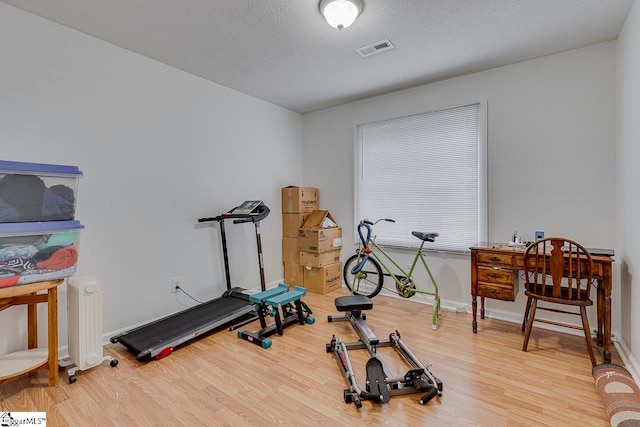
{"points": [[405, 273], [405, 284]]}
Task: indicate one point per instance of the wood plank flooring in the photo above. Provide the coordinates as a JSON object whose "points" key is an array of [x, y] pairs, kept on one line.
{"points": [[220, 380]]}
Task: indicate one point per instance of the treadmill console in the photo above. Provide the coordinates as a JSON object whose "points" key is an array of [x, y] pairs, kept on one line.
{"points": [[250, 207], [249, 211]]}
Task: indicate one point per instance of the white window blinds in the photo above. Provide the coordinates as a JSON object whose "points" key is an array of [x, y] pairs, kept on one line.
{"points": [[424, 172]]}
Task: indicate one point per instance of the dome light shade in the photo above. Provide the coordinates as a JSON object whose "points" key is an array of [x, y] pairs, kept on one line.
{"points": [[340, 13]]}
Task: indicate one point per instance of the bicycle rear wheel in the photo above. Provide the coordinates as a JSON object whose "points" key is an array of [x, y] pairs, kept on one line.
{"points": [[368, 281]]}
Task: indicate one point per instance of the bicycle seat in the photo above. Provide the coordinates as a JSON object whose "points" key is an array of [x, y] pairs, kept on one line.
{"points": [[428, 236]]}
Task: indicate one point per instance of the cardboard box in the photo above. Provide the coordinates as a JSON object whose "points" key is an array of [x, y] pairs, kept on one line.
{"points": [[293, 274], [310, 259], [323, 280], [299, 199], [290, 252], [292, 222], [319, 233]]}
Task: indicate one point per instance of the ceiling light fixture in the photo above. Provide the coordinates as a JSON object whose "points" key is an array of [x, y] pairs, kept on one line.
{"points": [[340, 13]]}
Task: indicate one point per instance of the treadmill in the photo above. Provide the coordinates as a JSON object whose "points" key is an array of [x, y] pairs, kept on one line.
{"points": [[159, 338]]}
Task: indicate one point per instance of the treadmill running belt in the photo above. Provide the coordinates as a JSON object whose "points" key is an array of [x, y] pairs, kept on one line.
{"points": [[172, 330]]}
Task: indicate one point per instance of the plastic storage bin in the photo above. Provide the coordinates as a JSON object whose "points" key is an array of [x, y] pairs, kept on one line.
{"points": [[37, 251], [37, 192]]}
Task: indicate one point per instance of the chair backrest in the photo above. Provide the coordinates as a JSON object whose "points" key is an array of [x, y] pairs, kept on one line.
{"points": [[550, 260]]}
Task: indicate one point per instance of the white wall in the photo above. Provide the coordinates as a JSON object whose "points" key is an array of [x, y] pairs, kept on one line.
{"points": [[159, 149], [628, 230], [551, 155]]}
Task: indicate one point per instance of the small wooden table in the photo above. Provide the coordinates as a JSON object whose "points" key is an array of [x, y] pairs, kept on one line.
{"points": [[494, 274], [33, 358]]}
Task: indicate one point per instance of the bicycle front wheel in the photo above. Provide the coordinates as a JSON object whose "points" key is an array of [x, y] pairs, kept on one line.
{"points": [[368, 281]]}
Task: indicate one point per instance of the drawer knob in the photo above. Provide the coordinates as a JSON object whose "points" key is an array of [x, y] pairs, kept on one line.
{"points": [[494, 292], [494, 259], [494, 276]]}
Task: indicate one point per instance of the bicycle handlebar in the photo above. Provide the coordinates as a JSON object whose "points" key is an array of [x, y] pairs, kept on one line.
{"points": [[365, 223], [356, 268]]}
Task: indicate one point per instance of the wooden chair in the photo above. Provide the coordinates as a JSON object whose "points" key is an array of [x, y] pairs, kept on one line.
{"points": [[559, 271]]}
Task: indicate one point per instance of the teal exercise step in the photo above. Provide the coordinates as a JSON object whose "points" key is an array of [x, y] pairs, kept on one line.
{"points": [[287, 297], [267, 303], [264, 295]]}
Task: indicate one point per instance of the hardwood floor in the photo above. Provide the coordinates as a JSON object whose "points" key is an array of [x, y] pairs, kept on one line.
{"points": [[222, 380]]}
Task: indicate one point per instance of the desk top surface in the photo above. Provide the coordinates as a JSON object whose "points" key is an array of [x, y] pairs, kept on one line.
{"points": [[519, 250]]}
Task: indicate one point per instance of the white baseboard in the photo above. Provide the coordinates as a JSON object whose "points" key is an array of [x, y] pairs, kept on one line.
{"points": [[625, 354]]}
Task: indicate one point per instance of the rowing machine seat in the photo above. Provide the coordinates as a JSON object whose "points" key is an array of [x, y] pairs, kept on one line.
{"points": [[353, 303]]}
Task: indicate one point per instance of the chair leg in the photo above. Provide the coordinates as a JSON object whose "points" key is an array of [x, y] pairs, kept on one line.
{"points": [[526, 314], [532, 315], [587, 334]]}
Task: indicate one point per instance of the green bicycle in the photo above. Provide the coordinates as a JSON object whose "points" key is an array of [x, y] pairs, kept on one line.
{"points": [[365, 271]]}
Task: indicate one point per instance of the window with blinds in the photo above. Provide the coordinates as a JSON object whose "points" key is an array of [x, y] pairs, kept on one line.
{"points": [[427, 172]]}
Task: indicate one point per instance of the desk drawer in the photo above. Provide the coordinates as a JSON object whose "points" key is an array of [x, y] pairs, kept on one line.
{"points": [[494, 259], [498, 291], [496, 275], [597, 270]]}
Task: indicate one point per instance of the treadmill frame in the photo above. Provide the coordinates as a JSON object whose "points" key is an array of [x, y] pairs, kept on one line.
{"points": [[148, 342]]}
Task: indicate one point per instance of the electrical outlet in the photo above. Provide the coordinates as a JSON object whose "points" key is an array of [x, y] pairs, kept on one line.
{"points": [[175, 284], [539, 235]]}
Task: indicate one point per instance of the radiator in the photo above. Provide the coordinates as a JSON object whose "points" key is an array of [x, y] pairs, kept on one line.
{"points": [[84, 308]]}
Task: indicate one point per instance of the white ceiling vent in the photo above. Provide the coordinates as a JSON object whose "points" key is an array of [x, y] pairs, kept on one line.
{"points": [[373, 48]]}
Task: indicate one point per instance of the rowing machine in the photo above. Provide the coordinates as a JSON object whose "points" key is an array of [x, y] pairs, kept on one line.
{"points": [[380, 386]]}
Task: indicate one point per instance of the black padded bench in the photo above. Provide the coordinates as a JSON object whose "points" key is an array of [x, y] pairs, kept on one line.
{"points": [[353, 303]]}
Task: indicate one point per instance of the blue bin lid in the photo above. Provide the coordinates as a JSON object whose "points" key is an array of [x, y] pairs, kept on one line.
{"points": [[42, 168], [39, 227]]}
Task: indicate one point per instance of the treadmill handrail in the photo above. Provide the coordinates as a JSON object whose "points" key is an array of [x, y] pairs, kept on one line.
{"points": [[216, 218], [262, 212]]}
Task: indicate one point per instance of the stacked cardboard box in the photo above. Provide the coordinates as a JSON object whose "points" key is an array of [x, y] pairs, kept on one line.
{"points": [[297, 204], [319, 243], [311, 242]]}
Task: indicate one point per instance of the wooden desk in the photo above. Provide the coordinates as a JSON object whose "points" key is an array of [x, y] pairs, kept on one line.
{"points": [[34, 358], [494, 274]]}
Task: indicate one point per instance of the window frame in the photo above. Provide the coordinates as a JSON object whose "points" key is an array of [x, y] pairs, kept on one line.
{"points": [[482, 179]]}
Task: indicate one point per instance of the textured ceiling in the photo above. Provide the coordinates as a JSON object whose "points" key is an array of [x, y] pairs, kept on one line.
{"points": [[283, 51]]}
